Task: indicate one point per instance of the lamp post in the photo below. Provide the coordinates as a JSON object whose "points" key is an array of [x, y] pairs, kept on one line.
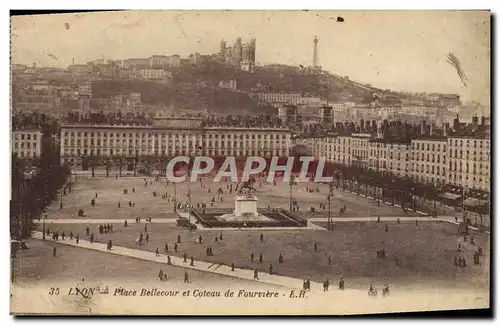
{"points": [[464, 213], [189, 197], [43, 225], [292, 180], [175, 196], [330, 193], [61, 203]]}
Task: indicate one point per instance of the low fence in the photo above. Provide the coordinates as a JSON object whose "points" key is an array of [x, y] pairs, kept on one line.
{"points": [[280, 218]]}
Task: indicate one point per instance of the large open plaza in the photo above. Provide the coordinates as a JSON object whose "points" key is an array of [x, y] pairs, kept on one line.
{"points": [[112, 203], [419, 254]]}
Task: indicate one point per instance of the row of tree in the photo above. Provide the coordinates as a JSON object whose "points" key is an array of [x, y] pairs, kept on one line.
{"points": [[32, 193]]}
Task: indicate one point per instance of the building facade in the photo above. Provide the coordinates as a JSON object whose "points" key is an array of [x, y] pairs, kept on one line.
{"points": [[469, 162], [389, 157], [428, 160], [106, 141], [26, 144]]}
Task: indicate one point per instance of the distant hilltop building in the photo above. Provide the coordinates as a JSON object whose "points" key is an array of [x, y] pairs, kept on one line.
{"points": [[241, 55]]}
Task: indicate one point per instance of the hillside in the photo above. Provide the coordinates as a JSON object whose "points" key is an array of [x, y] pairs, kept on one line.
{"points": [[197, 87], [181, 96]]}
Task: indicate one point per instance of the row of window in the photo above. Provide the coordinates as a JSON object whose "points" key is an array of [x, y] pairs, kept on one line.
{"points": [[174, 135], [473, 143], [430, 158], [23, 136], [428, 146], [131, 152], [30, 154], [22, 145]]}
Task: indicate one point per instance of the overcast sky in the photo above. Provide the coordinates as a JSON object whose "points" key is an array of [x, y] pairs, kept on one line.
{"points": [[396, 50]]}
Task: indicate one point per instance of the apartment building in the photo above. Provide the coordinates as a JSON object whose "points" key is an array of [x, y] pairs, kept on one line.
{"points": [[26, 144], [469, 162], [428, 160], [141, 141], [390, 157]]}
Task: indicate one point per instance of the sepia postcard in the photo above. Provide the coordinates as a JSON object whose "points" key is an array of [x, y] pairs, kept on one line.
{"points": [[250, 162]]}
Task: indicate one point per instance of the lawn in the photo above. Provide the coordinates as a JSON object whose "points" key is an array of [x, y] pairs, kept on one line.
{"points": [[425, 251], [110, 192]]}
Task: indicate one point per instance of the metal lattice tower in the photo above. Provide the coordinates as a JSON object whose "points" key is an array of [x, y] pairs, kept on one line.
{"points": [[315, 54]]}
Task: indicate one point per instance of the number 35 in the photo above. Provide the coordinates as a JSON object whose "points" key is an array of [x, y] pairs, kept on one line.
{"points": [[54, 291]]}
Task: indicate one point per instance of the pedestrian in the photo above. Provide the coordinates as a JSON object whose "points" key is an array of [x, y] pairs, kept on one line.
{"points": [[341, 283], [192, 261], [91, 238], [455, 261], [270, 269], [77, 238], [315, 246], [208, 251], [255, 274], [251, 257], [169, 261], [398, 221], [216, 239], [261, 238], [326, 284], [386, 228], [280, 259], [157, 252], [472, 240], [166, 248], [126, 223], [160, 275], [87, 231], [232, 267], [200, 239], [185, 257], [186, 277], [378, 219], [175, 247], [62, 235], [179, 238], [330, 259], [70, 235], [147, 237], [261, 259], [54, 252], [110, 244]]}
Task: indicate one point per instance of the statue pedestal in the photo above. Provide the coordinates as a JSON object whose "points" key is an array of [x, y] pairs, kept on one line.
{"points": [[245, 206]]}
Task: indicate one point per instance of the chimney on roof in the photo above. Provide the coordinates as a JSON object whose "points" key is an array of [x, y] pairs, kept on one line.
{"points": [[73, 61], [483, 120], [361, 125], [422, 127], [445, 129], [379, 131], [431, 128]]}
